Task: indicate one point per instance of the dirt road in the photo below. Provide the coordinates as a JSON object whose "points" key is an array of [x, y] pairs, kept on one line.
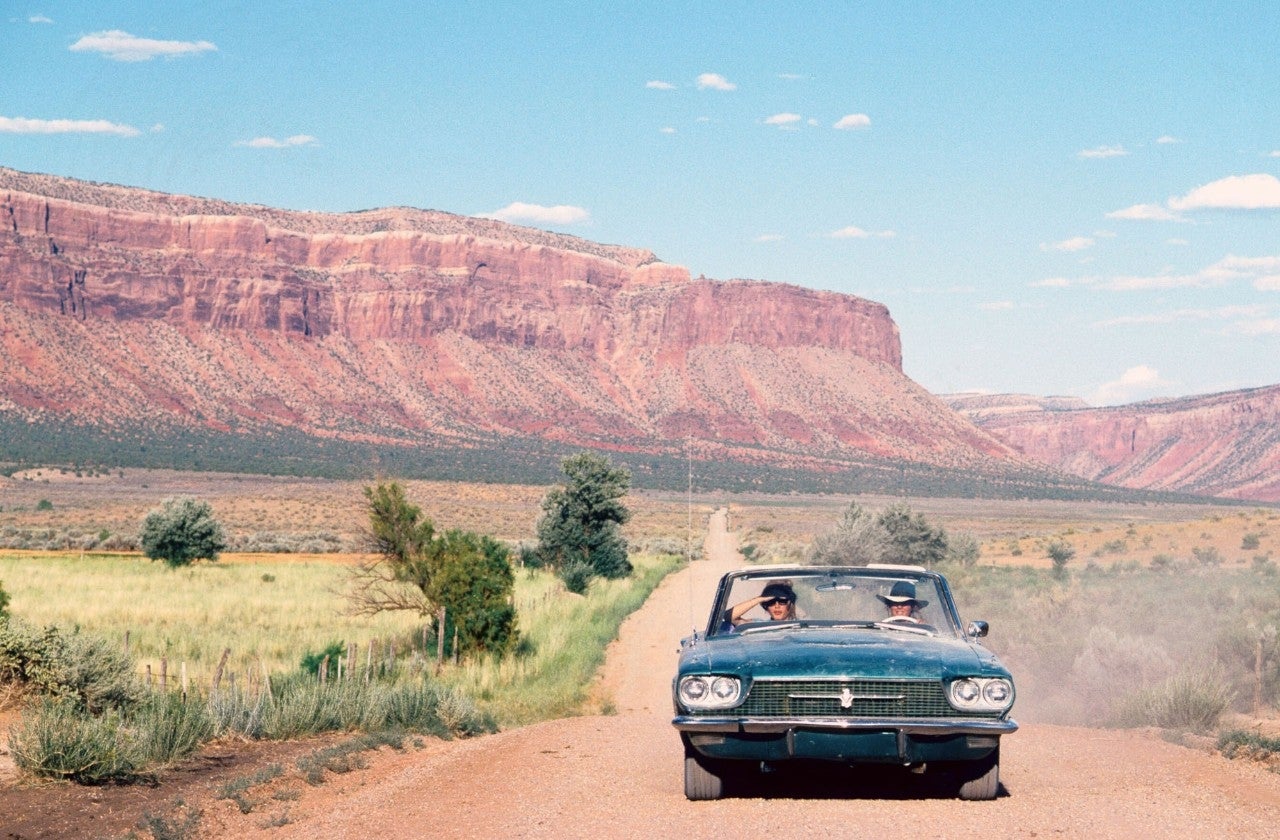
{"points": [[620, 776]]}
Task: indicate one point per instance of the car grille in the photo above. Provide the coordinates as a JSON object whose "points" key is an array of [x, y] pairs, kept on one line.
{"points": [[858, 698]]}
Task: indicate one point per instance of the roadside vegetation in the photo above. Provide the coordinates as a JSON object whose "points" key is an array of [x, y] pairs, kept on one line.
{"points": [[161, 659]]}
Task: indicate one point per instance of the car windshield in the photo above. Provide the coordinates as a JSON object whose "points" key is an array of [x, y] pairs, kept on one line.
{"points": [[891, 600]]}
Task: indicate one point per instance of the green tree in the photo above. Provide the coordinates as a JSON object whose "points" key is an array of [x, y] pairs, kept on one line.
{"points": [[180, 531], [581, 520], [474, 581], [912, 540], [4, 602], [468, 575]]}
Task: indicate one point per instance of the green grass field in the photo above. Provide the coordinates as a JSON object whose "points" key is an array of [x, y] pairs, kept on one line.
{"points": [[272, 613]]}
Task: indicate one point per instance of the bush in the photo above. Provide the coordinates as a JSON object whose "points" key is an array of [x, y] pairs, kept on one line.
{"points": [[4, 602], [1250, 542], [1189, 701], [313, 659], [1059, 553], [58, 740], [576, 576], [88, 671], [180, 531], [963, 549]]}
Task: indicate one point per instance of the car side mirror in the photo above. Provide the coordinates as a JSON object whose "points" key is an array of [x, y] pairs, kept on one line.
{"points": [[687, 641], [977, 629]]}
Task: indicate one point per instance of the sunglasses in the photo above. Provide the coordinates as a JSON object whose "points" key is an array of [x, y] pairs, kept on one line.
{"points": [[786, 602]]}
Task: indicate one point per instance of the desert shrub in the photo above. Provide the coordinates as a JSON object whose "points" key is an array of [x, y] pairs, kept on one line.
{"points": [[1237, 743], [87, 670], [1059, 553], [168, 726], [180, 531], [1207, 555], [1112, 666], [44, 504], [963, 549], [4, 602], [666, 545], [1250, 542], [858, 538], [58, 740], [1163, 562], [1191, 700]]}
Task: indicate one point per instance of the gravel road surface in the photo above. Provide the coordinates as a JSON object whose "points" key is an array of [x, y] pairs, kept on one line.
{"points": [[621, 776]]}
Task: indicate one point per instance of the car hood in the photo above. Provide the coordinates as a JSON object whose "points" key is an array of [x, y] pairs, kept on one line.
{"points": [[829, 653]]}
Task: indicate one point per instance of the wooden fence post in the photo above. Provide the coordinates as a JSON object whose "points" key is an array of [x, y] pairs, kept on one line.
{"points": [[368, 663], [164, 673], [440, 617], [324, 669], [184, 681], [222, 663]]}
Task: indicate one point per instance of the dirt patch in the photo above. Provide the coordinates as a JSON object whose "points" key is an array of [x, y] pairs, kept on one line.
{"points": [[33, 810]]}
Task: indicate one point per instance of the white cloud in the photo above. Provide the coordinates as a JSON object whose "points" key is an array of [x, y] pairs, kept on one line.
{"points": [[273, 143], [1269, 283], [1176, 241], [791, 77], [1237, 192], [1147, 213], [769, 237], [518, 211], [22, 125], [714, 81], [855, 232], [39, 19], [121, 46], [1075, 243], [1166, 140], [667, 129], [783, 120], [851, 121], [1051, 283], [1102, 152], [996, 306], [658, 84], [1276, 153], [1135, 383]]}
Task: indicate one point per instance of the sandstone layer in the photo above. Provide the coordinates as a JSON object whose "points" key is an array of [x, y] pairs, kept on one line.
{"points": [[119, 304], [1224, 444]]}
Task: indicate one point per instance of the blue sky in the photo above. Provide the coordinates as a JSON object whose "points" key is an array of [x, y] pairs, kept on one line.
{"points": [[1070, 199]]}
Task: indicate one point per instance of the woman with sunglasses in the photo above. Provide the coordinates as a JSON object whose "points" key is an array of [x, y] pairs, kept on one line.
{"points": [[778, 599]]}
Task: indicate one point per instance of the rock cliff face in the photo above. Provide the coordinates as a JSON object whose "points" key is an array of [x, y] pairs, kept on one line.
{"points": [[1220, 444], [410, 325]]}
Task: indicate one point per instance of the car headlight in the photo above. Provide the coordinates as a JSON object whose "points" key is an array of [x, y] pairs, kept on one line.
{"points": [[708, 691], [981, 694]]}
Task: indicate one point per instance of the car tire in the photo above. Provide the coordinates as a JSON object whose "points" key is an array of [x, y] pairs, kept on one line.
{"points": [[702, 778], [980, 780]]}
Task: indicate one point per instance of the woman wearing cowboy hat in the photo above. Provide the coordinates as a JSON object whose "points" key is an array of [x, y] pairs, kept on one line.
{"points": [[902, 603]]}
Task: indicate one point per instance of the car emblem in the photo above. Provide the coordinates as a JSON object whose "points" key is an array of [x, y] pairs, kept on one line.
{"points": [[846, 698]]}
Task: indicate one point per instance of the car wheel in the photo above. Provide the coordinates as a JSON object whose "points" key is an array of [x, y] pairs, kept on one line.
{"points": [[702, 778], [980, 779]]}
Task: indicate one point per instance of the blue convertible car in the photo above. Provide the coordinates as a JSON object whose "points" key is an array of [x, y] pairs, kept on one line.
{"points": [[856, 665]]}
